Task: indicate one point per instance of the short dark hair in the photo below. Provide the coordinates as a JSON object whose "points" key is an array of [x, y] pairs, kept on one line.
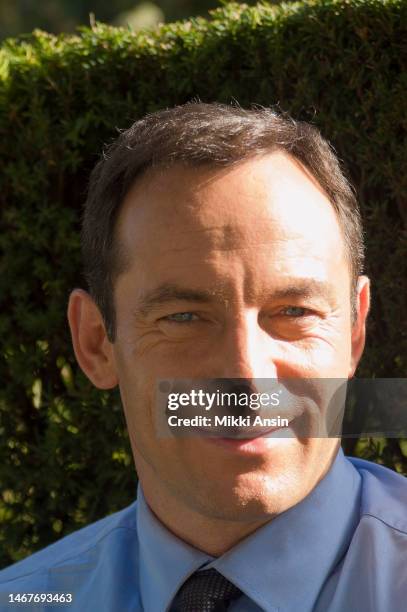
{"points": [[200, 134]]}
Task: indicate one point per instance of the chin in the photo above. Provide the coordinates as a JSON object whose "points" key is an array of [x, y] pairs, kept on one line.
{"points": [[251, 497], [262, 496]]}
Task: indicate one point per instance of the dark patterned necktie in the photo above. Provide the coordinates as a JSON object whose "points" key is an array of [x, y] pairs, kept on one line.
{"points": [[205, 591]]}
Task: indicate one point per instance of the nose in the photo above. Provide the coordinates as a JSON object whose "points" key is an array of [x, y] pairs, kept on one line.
{"points": [[245, 350]]}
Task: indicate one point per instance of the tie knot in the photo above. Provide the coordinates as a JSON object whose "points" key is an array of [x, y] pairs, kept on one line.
{"points": [[205, 591]]}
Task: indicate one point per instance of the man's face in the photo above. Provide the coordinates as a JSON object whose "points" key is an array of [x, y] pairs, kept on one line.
{"points": [[263, 243]]}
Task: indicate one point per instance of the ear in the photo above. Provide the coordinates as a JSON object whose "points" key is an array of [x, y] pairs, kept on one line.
{"points": [[359, 326], [93, 350]]}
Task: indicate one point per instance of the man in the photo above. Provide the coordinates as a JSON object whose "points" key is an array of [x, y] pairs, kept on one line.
{"points": [[221, 244]]}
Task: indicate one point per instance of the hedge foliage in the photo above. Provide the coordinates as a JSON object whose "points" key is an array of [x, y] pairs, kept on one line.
{"points": [[65, 457]]}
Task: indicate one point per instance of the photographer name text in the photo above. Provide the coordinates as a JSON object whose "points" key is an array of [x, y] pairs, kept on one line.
{"points": [[227, 421]]}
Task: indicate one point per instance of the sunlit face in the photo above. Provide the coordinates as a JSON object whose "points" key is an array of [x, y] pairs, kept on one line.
{"points": [[261, 248]]}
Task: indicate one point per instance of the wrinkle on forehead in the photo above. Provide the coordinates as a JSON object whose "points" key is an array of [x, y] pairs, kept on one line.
{"points": [[264, 201]]}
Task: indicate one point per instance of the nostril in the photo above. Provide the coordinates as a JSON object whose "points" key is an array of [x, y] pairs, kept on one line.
{"points": [[239, 391]]}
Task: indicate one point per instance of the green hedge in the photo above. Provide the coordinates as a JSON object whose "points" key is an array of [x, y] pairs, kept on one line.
{"points": [[65, 458]]}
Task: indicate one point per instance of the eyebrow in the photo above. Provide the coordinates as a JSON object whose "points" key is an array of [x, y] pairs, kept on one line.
{"points": [[169, 292], [305, 288]]}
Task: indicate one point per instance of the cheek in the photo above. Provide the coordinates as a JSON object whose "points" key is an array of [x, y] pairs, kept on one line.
{"points": [[327, 359], [314, 357], [160, 356], [330, 349], [135, 382]]}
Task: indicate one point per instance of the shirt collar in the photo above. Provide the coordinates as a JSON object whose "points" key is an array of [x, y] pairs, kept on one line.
{"points": [[282, 566], [166, 561]]}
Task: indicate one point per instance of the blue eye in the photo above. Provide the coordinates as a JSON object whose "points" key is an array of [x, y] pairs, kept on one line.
{"points": [[295, 311], [181, 317]]}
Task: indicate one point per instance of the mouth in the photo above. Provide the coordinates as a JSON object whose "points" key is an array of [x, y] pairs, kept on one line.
{"points": [[251, 440]]}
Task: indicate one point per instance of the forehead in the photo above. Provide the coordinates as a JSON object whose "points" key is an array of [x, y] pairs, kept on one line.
{"points": [[270, 201]]}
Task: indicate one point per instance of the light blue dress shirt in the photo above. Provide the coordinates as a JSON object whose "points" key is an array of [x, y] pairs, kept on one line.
{"points": [[342, 549]]}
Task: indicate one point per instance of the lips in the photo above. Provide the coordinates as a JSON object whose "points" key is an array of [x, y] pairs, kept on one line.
{"points": [[235, 432]]}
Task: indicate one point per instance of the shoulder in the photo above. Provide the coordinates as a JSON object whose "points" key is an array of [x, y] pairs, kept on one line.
{"points": [[373, 566], [76, 550], [383, 495]]}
